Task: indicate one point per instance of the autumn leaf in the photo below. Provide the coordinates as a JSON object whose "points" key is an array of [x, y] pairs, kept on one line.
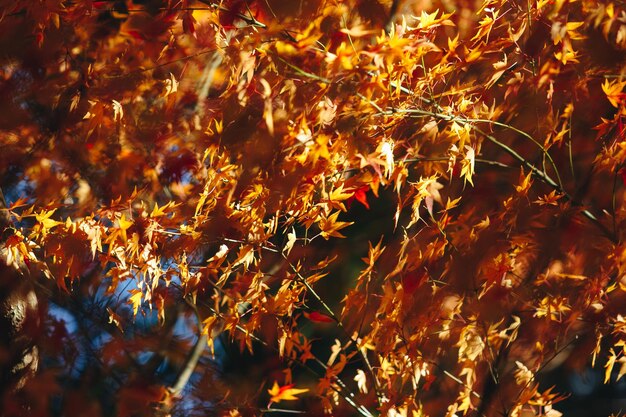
{"points": [[361, 381], [360, 195], [337, 196], [610, 363], [525, 181], [291, 240], [284, 393], [45, 221], [330, 227], [124, 225], [551, 199], [411, 281], [318, 317], [118, 110], [135, 300], [614, 91], [115, 319], [171, 85], [467, 164]]}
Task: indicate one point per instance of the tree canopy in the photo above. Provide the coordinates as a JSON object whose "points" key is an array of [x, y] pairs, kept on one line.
{"points": [[368, 208]]}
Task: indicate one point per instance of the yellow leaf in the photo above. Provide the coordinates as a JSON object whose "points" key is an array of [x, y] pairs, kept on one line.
{"points": [[467, 165], [571, 30], [321, 148], [567, 55], [427, 20], [160, 211], [284, 393], [450, 204], [609, 366], [284, 48], [613, 91], [124, 225], [135, 300], [485, 25], [330, 226], [44, 219], [472, 55], [386, 148], [453, 43], [337, 195]]}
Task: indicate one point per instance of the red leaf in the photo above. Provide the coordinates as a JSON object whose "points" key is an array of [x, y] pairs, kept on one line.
{"points": [[413, 280], [361, 195], [39, 38], [318, 317], [100, 4], [137, 35], [189, 23]]}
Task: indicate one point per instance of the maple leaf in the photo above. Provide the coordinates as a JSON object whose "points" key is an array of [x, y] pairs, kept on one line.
{"points": [[360, 195], [613, 91], [135, 300], [330, 226], [336, 197], [318, 317], [567, 55], [284, 393], [525, 181], [427, 20], [486, 24], [45, 221], [124, 225], [550, 199], [411, 281]]}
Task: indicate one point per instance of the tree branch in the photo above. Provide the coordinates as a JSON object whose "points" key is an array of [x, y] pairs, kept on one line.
{"points": [[189, 366]]}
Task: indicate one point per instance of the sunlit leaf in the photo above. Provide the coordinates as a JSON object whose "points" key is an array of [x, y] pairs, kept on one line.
{"points": [[284, 393]]}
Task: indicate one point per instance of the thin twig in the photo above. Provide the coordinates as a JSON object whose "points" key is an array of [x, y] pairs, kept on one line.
{"points": [[142, 70], [344, 392], [188, 367], [542, 175], [332, 314], [347, 395]]}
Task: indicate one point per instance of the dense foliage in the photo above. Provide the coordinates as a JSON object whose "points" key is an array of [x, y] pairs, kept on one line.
{"points": [[345, 207]]}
